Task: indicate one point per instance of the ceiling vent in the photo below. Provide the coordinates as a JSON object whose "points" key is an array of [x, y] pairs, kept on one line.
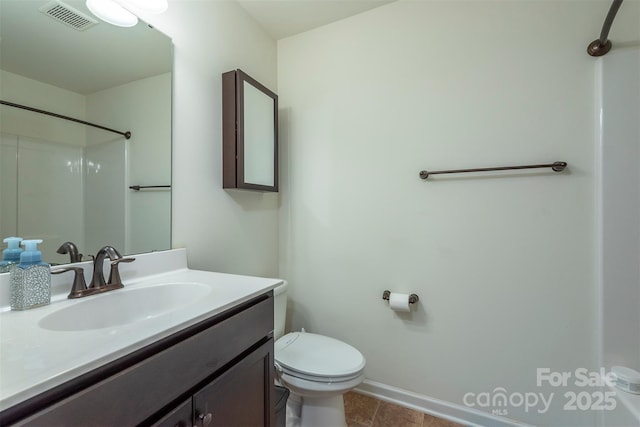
{"points": [[69, 16]]}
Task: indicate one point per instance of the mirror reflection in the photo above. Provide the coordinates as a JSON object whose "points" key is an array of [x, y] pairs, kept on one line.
{"points": [[61, 181], [259, 137]]}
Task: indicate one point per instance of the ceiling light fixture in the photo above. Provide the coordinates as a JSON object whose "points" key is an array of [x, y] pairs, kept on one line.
{"points": [[111, 12], [118, 12]]}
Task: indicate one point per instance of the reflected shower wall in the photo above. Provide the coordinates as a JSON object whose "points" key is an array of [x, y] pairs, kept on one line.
{"points": [[58, 193], [44, 193], [41, 192], [104, 197]]}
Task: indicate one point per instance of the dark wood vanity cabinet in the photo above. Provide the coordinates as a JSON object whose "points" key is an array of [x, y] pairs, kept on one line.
{"points": [[218, 372], [180, 416], [240, 397]]}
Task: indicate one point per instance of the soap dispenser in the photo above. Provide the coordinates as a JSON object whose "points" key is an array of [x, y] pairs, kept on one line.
{"points": [[11, 255], [30, 281]]}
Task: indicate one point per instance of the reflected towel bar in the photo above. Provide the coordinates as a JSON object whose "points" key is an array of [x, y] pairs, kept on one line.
{"points": [[126, 134], [143, 187], [556, 166]]}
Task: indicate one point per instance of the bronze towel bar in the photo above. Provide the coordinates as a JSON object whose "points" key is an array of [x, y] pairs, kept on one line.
{"points": [[142, 187], [556, 166]]}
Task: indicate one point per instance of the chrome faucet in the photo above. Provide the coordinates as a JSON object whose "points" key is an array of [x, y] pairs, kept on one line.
{"points": [[71, 249]]}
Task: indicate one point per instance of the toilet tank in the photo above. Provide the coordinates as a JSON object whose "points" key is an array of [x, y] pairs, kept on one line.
{"points": [[280, 309]]}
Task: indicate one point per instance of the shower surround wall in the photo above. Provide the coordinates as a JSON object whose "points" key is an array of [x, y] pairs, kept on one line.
{"points": [[620, 207], [503, 262], [619, 211]]}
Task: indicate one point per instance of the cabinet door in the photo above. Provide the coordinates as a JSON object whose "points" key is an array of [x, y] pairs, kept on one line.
{"points": [[242, 396]]}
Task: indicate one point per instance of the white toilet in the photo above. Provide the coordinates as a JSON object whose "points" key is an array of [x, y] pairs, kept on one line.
{"points": [[317, 370]]}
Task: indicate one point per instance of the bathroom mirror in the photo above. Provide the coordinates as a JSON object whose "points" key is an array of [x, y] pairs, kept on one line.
{"points": [[250, 133], [63, 181]]}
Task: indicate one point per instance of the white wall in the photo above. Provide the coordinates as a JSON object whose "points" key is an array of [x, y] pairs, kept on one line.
{"points": [[503, 263], [230, 231]]}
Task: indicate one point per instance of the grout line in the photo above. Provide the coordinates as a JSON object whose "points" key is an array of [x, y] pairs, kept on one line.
{"points": [[375, 413]]}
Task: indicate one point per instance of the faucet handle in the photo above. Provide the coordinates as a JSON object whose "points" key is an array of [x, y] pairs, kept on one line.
{"points": [[79, 287], [114, 274]]}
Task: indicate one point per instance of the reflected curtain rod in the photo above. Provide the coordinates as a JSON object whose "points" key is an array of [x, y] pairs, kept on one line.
{"points": [[602, 45], [126, 134]]}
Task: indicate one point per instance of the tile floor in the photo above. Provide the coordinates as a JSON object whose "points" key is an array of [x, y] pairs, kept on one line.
{"points": [[366, 411]]}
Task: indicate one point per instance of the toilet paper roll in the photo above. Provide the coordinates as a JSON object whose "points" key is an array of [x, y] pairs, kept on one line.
{"points": [[399, 302]]}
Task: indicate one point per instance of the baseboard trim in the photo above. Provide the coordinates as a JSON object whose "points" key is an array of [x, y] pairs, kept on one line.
{"points": [[438, 408]]}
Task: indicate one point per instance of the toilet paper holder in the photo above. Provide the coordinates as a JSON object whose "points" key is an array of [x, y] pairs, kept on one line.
{"points": [[413, 298]]}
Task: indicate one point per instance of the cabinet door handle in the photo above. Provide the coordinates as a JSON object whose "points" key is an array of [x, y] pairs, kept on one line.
{"points": [[205, 419]]}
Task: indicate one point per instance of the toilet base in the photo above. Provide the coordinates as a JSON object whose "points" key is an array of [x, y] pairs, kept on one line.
{"points": [[315, 411]]}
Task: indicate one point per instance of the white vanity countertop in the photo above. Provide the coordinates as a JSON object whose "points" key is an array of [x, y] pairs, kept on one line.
{"points": [[34, 359]]}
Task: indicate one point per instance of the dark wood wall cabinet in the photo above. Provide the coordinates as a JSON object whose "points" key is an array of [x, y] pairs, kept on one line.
{"points": [[249, 133], [216, 373]]}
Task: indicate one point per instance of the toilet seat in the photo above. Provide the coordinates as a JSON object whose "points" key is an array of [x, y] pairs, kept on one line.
{"points": [[318, 358]]}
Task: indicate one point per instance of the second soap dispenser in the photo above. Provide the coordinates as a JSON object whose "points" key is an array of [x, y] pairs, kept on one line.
{"points": [[30, 281], [11, 255]]}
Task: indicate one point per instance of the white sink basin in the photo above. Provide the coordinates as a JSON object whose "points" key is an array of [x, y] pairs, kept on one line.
{"points": [[124, 306]]}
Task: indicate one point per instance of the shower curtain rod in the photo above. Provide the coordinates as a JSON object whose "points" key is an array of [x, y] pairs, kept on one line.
{"points": [[602, 45], [126, 134]]}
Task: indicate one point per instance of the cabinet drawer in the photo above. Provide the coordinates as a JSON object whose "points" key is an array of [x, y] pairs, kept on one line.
{"points": [[140, 390]]}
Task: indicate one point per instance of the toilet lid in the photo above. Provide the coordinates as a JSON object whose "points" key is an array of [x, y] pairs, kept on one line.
{"points": [[318, 355]]}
